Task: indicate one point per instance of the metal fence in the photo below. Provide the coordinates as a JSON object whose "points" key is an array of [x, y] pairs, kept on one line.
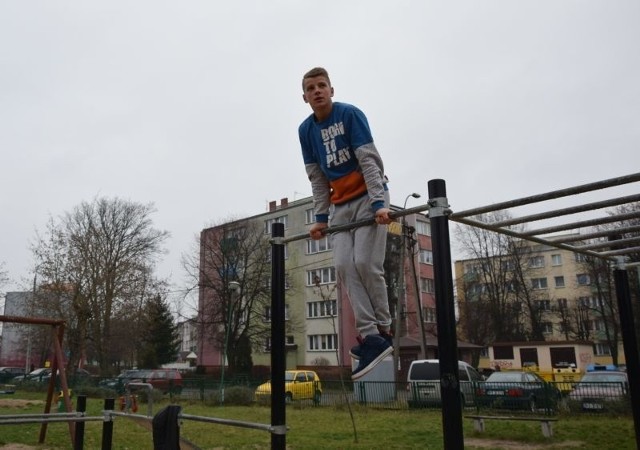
{"points": [[550, 398]]}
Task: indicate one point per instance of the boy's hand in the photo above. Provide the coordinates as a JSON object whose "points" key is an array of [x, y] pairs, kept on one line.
{"points": [[382, 216], [316, 230]]}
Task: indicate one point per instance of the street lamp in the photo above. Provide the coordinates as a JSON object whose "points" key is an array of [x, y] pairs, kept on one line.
{"points": [[396, 348], [233, 289]]}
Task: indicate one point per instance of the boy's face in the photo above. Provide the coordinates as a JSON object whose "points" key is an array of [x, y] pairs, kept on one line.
{"points": [[317, 92]]}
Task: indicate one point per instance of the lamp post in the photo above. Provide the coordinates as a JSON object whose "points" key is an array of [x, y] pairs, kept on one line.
{"points": [[397, 330], [233, 289]]}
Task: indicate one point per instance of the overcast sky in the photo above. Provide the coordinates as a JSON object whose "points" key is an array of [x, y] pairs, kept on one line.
{"points": [[194, 105]]}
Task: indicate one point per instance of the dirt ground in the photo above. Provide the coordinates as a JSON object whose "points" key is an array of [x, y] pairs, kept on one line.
{"points": [[18, 403], [512, 445]]}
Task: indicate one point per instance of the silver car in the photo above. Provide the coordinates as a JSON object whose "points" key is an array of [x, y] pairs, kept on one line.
{"points": [[596, 389]]}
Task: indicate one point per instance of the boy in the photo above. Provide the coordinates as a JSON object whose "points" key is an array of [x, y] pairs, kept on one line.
{"points": [[347, 176]]}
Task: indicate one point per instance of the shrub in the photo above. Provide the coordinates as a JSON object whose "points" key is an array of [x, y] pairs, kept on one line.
{"points": [[234, 395]]}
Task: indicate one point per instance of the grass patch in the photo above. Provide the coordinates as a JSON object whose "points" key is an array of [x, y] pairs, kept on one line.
{"points": [[326, 427]]}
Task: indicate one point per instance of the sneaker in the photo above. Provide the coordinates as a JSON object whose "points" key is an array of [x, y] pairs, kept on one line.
{"points": [[374, 349], [356, 350]]}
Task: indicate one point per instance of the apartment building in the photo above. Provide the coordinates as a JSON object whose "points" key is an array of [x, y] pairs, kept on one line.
{"points": [[322, 330], [573, 311]]}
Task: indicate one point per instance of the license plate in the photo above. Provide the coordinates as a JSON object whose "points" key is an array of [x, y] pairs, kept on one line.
{"points": [[494, 392], [592, 406]]}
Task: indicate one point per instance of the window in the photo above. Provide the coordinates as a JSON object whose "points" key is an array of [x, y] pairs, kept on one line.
{"points": [[589, 302], [556, 260], [599, 325], [580, 257], [429, 314], [536, 262], [559, 281], [309, 216], [473, 268], [267, 282], [562, 303], [423, 227], [289, 340], [426, 256], [267, 313], [426, 285], [601, 350], [323, 342], [544, 305], [269, 222], [321, 245], [507, 265], [539, 283], [583, 279], [503, 352], [547, 327], [269, 254], [321, 276], [324, 308]]}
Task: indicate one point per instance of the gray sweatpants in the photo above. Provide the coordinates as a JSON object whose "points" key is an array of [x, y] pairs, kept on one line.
{"points": [[359, 257]]}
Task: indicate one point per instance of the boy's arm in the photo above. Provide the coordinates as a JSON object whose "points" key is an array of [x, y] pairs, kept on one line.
{"points": [[373, 173], [321, 192]]}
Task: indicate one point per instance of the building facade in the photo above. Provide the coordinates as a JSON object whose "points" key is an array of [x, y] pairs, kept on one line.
{"points": [[567, 306], [322, 321]]}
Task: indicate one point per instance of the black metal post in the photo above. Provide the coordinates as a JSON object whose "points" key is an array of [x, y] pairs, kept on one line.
{"points": [[278, 355], [81, 407], [107, 426], [630, 343], [445, 316]]}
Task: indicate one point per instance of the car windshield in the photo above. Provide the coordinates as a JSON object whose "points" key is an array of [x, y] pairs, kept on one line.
{"points": [[505, 377], [288, 376], [603, 377]]}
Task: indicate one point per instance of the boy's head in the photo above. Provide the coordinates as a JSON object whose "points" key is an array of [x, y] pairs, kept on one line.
{"points": [[316, 72], [317, 92]]}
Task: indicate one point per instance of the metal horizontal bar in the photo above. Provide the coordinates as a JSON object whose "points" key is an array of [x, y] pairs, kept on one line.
{"points": [[581, 224], [624, 251], [112, 413], [597, 234], [609, 244], [570, 210], [53, 419], [32, 415], [549, 195], [359, 223], [230, 422], [551, 243]]}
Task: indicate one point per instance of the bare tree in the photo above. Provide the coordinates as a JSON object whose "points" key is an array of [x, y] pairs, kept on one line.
{"points": [[96, 260], [232, 271], [500, 303]]}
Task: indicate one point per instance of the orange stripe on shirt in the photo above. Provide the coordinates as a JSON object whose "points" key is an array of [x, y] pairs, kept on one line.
{"points": [[347, 188]]}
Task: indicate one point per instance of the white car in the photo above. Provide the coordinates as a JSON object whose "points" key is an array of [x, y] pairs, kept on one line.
{"points": [[597, 388]]}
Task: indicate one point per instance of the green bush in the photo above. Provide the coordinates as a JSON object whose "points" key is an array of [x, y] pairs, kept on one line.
{"points": [[233, 395]]}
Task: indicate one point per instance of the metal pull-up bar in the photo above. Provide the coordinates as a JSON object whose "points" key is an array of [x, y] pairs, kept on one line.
{"points": [[361, 223]]}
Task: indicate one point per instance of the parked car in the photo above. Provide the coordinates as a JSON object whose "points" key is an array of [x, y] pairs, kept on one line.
{"points": [[8, 373], [165, 380], [43, 375], [600, 388], [119, 382], [34, 376], [298, 385], [517, 390], [423, 381]]}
